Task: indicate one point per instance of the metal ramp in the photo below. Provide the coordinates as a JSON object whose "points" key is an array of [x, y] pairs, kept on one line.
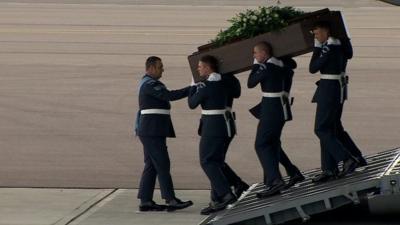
{"points": [[380, 177], [393, 2]]}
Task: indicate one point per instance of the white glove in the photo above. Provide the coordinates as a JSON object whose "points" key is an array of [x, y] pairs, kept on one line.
{"points": [[317, 43], [200, 84], [262, 65], [325, 49]]}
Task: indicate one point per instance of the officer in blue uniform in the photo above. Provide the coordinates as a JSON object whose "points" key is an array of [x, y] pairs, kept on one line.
{"points": [[214, 130], [330, 59], [153, 126], [275, 79]]}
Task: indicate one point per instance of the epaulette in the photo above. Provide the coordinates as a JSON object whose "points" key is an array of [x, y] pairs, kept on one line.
{"points": [[275, 61]]}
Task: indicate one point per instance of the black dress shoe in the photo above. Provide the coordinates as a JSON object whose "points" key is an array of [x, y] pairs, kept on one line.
{"points": [[298, 177], [325, 176], [349, 166], [176, 204], [240, 188], [208, 210], [224, 202], [151, 206], [274, 189]]}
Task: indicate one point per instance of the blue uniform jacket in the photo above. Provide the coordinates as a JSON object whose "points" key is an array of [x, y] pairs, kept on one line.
{"points": [[153, 94], [273, 76], [330, 58], [211, 96]]}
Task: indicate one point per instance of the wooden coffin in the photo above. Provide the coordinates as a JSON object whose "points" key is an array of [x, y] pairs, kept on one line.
{"points": [[296, 39]]}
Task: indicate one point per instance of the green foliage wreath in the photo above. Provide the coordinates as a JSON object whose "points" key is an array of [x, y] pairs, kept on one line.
{"points": [[253, 22]]}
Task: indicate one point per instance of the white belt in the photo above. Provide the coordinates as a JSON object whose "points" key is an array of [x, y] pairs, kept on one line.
{"points": [[155, 111], [332, 76], [343, 86], [219, 112], [279, 95], [213, 112], [274, 94]]}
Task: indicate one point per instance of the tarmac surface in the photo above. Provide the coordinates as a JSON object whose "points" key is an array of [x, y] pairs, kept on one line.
{"points": [[68, 90], [119, 207], [68, 99]]}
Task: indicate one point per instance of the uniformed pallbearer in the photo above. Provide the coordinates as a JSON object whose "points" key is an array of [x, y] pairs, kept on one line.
{"points": [[273, 111], [214, 130], [232, 90], [330, 57], [153, 126]]}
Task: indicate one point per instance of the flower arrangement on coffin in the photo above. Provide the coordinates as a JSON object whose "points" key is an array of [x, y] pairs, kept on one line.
{"points": [[254, 22]]}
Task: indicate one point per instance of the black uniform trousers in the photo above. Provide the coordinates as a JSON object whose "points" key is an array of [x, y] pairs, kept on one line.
{"points": [[157, 163], [344, 137], [327, 120], [290, 168], [230, 175], [212, 157], [268, 147]]}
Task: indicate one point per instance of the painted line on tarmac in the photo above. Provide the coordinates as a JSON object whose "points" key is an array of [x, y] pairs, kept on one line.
{"points": [[93, 203]]}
